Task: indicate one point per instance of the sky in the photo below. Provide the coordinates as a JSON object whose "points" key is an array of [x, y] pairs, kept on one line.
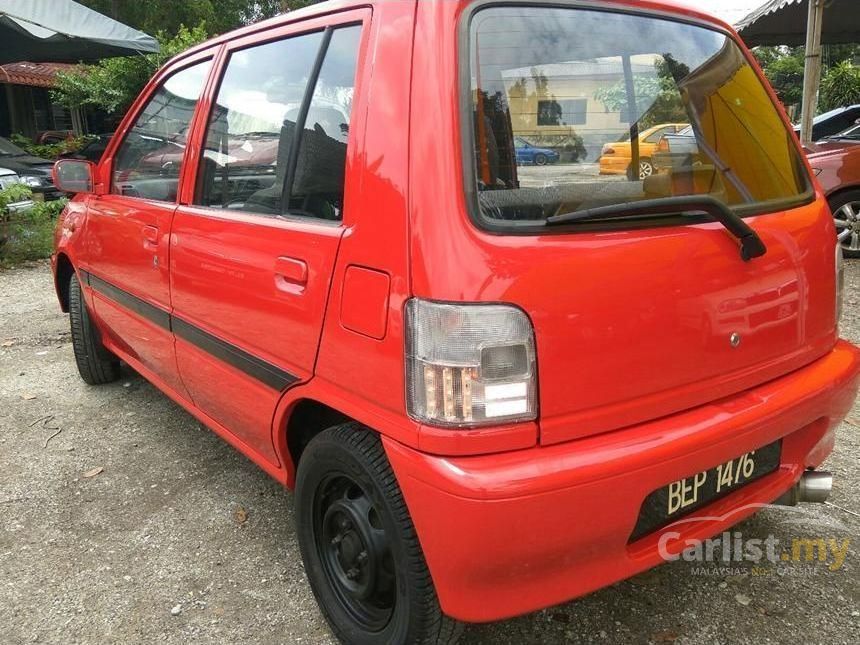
{"points": [[729, 10]]}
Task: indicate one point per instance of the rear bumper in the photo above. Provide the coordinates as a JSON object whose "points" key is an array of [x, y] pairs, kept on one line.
{"points": [[20, 207], [510, 533]]}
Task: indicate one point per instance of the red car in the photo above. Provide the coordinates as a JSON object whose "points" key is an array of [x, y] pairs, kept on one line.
{"points": [[493, 388], [836, 161]]}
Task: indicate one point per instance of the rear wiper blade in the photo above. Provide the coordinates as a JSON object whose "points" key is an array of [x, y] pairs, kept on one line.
{"points": [[751, 244]]}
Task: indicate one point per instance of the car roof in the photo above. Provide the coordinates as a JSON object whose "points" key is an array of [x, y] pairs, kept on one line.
{"points": [[836, 112], [830, 114], [335, 6]]}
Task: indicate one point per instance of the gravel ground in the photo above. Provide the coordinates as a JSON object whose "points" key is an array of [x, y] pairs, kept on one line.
{"points": [[179, 539]]}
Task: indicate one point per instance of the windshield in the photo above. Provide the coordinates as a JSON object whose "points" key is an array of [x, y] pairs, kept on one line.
{"points": [[595, 110], [9, 149], [852, 133]]}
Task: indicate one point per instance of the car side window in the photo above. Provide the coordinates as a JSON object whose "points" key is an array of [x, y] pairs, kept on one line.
{"points": [[318, 185], [276, 139], [655, 137], [148, 162]]}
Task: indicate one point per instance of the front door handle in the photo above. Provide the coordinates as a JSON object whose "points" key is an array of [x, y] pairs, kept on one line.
{"points": [[291, 274], [150, 239]]}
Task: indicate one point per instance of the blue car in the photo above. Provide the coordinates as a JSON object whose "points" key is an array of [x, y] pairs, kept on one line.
{"points": [[527, 153]]}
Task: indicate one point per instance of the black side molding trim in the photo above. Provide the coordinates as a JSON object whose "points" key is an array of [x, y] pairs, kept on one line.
{"points": [[129, 301], [265, 372]]}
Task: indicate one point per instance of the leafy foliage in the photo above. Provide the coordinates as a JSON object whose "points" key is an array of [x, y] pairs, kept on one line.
{"points": [[840, 87], [26, 235], [49, 150], [784, 66], [113, 83], [10, 195]]}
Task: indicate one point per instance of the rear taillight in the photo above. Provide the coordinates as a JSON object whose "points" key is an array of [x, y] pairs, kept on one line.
{"points": [[607, 150], [469, 364]]}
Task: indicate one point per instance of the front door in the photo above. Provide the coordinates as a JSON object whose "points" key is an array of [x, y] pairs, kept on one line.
{"points": [[253, 253], [129, 227]]}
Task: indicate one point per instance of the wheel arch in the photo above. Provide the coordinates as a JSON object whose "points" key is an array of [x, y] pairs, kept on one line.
{"points": [[307, 409], [841, 190], [305, 419], [63, 272]]}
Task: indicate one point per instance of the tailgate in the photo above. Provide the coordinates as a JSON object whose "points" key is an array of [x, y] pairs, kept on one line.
{"points": [[646, 324]]}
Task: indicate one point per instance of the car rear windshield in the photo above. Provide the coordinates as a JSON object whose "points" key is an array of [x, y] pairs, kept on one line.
{"points": [[574, 109]]}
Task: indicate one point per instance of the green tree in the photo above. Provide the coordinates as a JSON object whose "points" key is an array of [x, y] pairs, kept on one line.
{"points": [[840, 86], [784, 66], [657, 97]]}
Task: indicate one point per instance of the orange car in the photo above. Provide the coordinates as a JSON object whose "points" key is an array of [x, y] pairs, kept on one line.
{"points": [[615, 158]]}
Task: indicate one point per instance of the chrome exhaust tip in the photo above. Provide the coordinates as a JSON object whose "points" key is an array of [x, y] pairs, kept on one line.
{"points": [[814, 487]]}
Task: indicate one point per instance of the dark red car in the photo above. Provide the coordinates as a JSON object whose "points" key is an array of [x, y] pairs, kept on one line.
{"points": [[836, 161], [494, 387]]}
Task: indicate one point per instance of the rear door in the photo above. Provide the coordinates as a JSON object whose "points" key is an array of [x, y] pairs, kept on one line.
{"points": [[254, 247], [128, 228]]}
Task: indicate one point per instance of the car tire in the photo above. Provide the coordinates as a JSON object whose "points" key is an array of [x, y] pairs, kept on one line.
{"points": [[540, 159], [646, 168], [846, 213], [96, 364], [359, 546]]}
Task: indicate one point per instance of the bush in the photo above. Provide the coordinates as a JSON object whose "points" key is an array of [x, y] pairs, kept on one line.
{"points": [[574, 149], [28, 235], [840, 87], [50, 150]]}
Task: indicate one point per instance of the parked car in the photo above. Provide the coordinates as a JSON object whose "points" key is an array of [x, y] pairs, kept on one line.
{"points": [[836, 161], [479, 416], [92, 150], [675, 150], [528, 153], [616, 157], [832, 122], [32, 171], [8, 178]]}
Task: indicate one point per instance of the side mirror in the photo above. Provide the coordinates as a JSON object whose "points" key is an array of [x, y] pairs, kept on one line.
{"points": [[74, 175]]}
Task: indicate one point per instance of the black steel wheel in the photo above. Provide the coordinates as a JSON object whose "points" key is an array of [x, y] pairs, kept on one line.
{"points": [[361, 554], [355, 551]]}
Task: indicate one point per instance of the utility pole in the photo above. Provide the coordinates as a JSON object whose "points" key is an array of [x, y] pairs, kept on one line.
{"points": [[812, 68]]}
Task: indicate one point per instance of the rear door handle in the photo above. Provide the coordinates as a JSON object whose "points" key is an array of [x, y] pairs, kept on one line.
{"points": [[291, 274]]}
